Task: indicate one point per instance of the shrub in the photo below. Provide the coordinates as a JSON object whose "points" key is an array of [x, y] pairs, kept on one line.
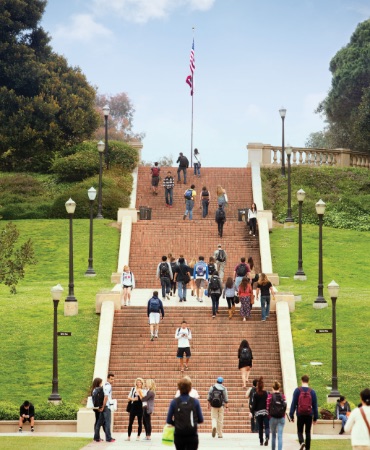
{"points": [[123, 155], [76, 167], [45, 411], [8, 411]]}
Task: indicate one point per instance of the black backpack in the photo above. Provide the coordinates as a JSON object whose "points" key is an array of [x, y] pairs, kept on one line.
{"points": [[277, 406], [221, 216], [245, 355], [98, 397], [164, 270], [241, 270], [154, 305], [186, 418], [221, 256], [184, 162], [211, 268], [214, 283], [216, 398]]}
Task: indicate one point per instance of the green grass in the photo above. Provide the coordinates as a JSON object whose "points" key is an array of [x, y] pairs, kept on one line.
{"points": [[345, 259], [326, 444], [42, 443], [27, 317]]}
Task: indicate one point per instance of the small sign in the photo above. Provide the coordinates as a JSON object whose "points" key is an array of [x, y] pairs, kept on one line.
{"points": [[64, 333], [324, 330]]}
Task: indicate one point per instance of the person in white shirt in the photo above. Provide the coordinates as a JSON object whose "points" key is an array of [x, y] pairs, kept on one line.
{"points": [[358, 423], [127, 283], [197, 162], [252, 219], [193, 392], [183, 336], [105, 416]]}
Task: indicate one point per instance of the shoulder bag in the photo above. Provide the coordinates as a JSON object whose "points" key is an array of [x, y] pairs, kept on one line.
{"points": [[365, 419]]}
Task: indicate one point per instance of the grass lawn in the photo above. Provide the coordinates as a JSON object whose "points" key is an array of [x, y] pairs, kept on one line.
{"points": [[345, 260], [27, 318], [42, 443], [330, 444]]}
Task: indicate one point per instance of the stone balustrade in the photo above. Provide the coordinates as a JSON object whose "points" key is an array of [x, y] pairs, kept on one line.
{"points": [[270, 156]]}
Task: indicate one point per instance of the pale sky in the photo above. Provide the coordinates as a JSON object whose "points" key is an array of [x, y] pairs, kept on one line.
{"points": [[252, 57]]}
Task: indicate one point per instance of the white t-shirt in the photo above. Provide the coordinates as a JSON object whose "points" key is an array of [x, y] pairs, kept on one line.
{"points": [[183, 335], [107, 388]]}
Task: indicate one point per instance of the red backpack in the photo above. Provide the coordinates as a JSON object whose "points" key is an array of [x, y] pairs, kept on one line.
{"points": [[155, 171], [304, 402]]}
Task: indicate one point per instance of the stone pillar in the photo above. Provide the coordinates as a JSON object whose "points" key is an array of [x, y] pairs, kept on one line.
{"points": [[259, 153], [344, 157]]}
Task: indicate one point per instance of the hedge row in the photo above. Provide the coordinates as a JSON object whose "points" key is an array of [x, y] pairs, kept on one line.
{"points": [[45, 411]]}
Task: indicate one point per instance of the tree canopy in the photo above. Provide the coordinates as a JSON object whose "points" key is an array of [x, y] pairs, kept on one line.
{"points": [[347, 105], [45, 104]]}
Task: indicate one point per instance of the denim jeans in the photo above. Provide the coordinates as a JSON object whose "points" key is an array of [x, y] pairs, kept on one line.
{"points": [[189, 208], [105, 417], [215, 300], [166, 286], [181, 287], [265, 306], [205, 204], [196, 169], [263, 421], [343, 418], [178, 173], [238, 280], [277, 425], [168, 195]]}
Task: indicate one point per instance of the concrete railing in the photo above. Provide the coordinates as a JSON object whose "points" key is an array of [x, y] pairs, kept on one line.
{"points": [[270, 156]]}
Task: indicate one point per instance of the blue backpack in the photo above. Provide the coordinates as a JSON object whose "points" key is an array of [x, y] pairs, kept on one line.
{"points": [[154, 305]]}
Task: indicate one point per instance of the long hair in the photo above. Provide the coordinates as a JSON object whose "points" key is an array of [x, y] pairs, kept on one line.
{"points": [[96, 383], [263, 280], [250, 262], [192, 263], [243, 344], [255, 207], [244, 284], [260, 385], [151, 384], [139, 379], [220, 190], [229, 283]]}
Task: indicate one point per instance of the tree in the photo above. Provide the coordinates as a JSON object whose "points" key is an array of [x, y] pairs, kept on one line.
{"points": [[121, 116], [13, 260], [45, 105], [346, 108]]}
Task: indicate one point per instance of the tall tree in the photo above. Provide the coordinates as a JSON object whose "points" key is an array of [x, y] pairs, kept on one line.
{"points": [[346, 108], [45, 105]]}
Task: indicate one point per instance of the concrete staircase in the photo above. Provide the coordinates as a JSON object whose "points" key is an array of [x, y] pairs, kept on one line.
{"points": [[214, 348]]}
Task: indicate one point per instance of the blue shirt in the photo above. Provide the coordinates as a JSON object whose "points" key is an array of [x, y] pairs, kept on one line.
{"points": [[200, 263], [294, 405]]}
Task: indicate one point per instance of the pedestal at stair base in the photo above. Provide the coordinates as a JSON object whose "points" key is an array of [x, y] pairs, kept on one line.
{"points": [[70, 308]]}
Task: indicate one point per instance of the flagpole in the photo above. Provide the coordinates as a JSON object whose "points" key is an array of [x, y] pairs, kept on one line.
{"points": [[192, 115]]}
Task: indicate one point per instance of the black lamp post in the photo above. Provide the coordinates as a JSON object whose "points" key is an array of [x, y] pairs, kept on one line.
{"points": [[282, 112], [56, 292], [70, 207], [90, 272], [289, 217], [333, 289], [300, 275], [320, 301], [106, 110], [100, 197]]}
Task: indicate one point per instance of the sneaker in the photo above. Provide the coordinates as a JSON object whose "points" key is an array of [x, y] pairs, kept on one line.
{"points": [[302, 447], [266, 442], [213, 317], [112, 440], [168, 297], [201, 300], [184, 299], [20, 430], [184, 217], [163, 299], [263, 320], [156, 335], [129, 303], [152, 338], [250, 232], [213, 432], [32, 429], [180, 300]]}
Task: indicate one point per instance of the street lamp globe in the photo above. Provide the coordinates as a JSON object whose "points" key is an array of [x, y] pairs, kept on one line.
{"points": [[70, 206], [282, 112], [106, 110], [91, 193], [333, 289], [301, 195], [101, 147], [320, 207], [57, 292]]}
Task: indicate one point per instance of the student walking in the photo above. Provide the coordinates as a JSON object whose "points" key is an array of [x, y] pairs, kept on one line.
{"points": [[304, 405], [197, 162], [240, 271], [229, 293], [245, 357], [220, 219], [164, 275], [189, 196], [155, 170], [127, 283], [259, 408], [276, 407], [264, 286], [218, 401], [246, 298], [252, 219], [183, 336], [183, 163], [205, 198], [358, 423], [154, 308], [220, 256], [250, 396], [200, 275], [221, 196], [182, 277], [214, 291], [168, 184]]}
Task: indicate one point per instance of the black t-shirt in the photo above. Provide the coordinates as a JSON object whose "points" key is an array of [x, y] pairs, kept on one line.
{"points": [[28, 412], [181, 270], [265, 288]]}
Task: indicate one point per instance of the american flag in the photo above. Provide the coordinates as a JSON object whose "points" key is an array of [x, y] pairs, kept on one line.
{"points": [[189, 79]]}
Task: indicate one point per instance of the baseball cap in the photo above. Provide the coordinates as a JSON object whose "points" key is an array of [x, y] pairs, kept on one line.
{"points": [[220, 380], [219, 245]]}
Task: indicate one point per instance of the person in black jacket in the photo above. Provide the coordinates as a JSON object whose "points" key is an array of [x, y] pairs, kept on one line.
{"points": [[341, 411], [259, 409], [220, 219], [26, 414], [183, 163]]}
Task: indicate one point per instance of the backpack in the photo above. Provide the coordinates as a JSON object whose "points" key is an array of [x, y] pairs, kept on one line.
{"points": [[304, 402], [241, 270], [252, 393], [155, 171], [98, 397], [188, 194], [277, 406], [154, 305], [245, 355], [221, 256], [216, 398], [200, 271], [221, 216], [164, 270], [186, 418], [211, 268], [183, 161], [214, 283]]}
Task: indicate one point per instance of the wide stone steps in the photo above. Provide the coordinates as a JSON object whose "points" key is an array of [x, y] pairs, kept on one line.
{"points": [[214, 352]]}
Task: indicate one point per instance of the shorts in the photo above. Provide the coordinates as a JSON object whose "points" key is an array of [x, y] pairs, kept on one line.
{"points": [[154, 318], [182, 350], [200, 282], [155, 181], [126, 287], [26, 419]]}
